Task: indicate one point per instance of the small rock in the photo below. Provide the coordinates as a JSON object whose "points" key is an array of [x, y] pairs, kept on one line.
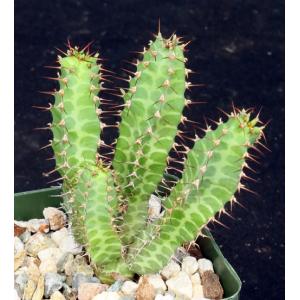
{"points": [[19, 227], [87, 291], [107, 296], [50, 253], [189, 265], [57, 296], [80, 265], [164, 297], [170, 270], [197, 287], [127, 297], [212, 287], [66, 258], [38, 242], [154, 207], [116, 286], [29, 290], [35, 225], [39, 292], [80, 278], [179, 254], [157, 283], [66, 242], [145, 290], [205, 265], [33, 270], [53, 282], [195, 279], [24, 237], [129, 287], [21, 279], [56, 217], [48, 266], [18, 245], [180, 285], [19, 259], [68, 293]]}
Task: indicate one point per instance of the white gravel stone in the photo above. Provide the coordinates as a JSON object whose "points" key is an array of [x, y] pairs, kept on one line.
{"points": [[189, 265], [34, 225], [18, 245], [205, 265], [48, 266], [164, 297], [56, 217], [21, 279], [129, 287], [65, 241], [50, 253], [197, 287], [170, 270], [108, 296], [38, 242], [180, 285], [154, 207], [157, 283]]}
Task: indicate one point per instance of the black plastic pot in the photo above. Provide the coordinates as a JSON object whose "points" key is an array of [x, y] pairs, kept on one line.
{"points": [[30, 205]]}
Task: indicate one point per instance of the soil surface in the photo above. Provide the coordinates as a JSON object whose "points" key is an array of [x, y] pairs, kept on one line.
{"points": [[237, 49]]}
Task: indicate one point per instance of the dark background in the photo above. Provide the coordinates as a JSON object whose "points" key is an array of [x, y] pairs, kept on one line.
{"points": [[238, 50]]}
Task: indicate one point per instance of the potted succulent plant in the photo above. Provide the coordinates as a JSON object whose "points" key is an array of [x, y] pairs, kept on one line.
{"points": [[107, 186]]}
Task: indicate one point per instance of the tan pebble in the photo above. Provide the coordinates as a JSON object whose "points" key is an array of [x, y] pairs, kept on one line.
{"points": [[38, 242], [19, 259], [57, 296], [56, 217], [39, 292], [87, 291], [145, 290], [212, 287], [29, 290], [48, 266], [18, 230]]}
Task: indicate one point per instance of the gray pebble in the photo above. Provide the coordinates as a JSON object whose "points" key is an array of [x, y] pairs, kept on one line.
{"points": [[20, 282], [127, 297], [180, 254], [62, 261], [53, 282], [116, 286], [80, 278]]}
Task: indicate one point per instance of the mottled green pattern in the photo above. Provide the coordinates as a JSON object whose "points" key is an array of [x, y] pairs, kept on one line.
{"points": [[75, 124], [213, 178], [154, 104]]}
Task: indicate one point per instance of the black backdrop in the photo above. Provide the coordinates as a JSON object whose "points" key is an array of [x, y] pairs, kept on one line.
{"points": [[237, 48]]}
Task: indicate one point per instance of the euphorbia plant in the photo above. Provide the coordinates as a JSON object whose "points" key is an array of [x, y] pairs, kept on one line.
{"points": [[107, 204]]}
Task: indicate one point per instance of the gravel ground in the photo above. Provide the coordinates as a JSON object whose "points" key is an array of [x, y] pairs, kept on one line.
{"points": [[237, 48]]}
